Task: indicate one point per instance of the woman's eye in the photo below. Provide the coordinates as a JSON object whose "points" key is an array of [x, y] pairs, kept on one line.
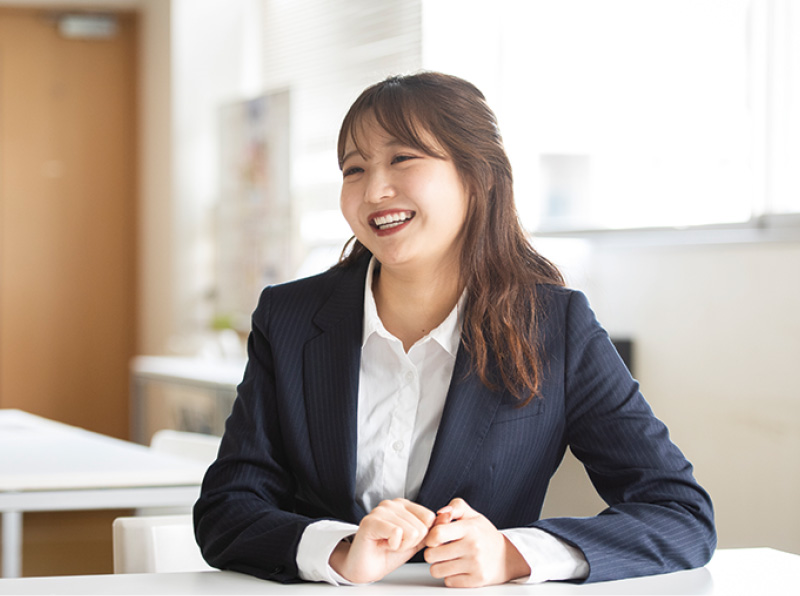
{"points": [[401, 158], [350, 171]]}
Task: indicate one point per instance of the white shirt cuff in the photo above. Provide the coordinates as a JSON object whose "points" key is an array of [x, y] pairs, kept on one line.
{"points": [[549, 557], [314, 551]]}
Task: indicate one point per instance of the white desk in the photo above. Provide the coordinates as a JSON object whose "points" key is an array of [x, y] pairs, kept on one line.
{"points": [[740, 571], [49, 466]]}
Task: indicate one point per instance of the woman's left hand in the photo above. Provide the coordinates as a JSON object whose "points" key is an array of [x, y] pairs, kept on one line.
{"points": [[469, 552]]}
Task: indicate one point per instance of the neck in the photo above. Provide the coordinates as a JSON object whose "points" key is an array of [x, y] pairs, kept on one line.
{"points": [[411, 305]]}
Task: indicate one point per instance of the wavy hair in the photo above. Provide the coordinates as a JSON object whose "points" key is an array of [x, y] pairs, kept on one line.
{"points": [[499, 267]]}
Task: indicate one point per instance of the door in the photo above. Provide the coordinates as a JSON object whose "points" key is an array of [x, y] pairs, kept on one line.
{"points": [[67, 217], [67, 230]]}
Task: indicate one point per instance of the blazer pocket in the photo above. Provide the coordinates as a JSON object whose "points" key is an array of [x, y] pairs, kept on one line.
{"points": [[510, 412]]}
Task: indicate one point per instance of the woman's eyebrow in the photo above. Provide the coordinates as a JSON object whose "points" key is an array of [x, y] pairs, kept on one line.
{"points": [[392, 143], [349, 155]]}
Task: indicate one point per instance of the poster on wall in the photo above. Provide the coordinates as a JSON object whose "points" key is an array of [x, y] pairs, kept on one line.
{"points": [[254, 226]]}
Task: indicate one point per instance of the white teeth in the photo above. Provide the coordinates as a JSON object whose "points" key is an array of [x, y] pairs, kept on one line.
{"points": [[392, 220]]}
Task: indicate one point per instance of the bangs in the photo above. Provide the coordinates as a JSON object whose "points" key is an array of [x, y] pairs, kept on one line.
{"points": [[396, 110]]}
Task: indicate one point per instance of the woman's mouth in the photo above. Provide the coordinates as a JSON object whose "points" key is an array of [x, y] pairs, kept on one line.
{"points": [[387, 221]]}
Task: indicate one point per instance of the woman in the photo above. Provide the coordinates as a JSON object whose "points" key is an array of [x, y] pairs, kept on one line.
{"points": [[413, 402]]}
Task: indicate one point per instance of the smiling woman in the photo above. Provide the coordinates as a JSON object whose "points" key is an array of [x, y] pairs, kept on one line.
{"points": [[473, 242], [406, 206], [412, 402]]}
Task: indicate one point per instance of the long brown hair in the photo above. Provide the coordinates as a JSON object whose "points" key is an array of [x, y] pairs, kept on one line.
{"points": [[499, 267]]}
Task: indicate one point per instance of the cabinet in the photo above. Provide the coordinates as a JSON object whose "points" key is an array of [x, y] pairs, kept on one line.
{"points": [[189, 394]]}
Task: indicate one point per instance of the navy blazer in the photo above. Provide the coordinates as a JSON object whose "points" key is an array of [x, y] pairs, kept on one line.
{"points": [[288, 455]]}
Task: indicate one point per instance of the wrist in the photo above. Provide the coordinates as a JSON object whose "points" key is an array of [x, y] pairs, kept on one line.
{"points": [[516, 566], [338, 557]]}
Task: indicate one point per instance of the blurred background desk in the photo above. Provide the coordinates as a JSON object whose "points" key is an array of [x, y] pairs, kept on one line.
{"points": [[185, 394], [739, 571], [49, 466]]}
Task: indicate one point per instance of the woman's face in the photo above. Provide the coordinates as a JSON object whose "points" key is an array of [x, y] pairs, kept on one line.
{"points": [[407, 207]]}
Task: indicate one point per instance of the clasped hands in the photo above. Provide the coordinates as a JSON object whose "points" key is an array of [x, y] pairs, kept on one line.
{"points": [[463, 547]]}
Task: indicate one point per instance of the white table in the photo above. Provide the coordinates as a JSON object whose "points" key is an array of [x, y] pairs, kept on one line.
{"points": [[49, 466], [739, 571]]}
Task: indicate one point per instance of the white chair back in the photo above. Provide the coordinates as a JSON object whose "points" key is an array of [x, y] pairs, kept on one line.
{"points": [[185, 444], [196, 446], [156, 544]]}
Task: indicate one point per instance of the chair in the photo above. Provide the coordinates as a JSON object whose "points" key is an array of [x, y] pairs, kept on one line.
{"points": [[185, 444], [156, 544], [196, 446]]}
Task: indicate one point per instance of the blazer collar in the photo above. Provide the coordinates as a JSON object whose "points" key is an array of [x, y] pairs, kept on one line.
{"points": [[469, 411], [331, 363]]}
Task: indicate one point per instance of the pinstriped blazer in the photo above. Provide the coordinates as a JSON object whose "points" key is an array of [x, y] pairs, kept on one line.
{"points": [[288, 455]]}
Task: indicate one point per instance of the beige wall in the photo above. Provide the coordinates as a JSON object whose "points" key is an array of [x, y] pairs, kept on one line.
{"points": [[156, 211], [717, 332]]}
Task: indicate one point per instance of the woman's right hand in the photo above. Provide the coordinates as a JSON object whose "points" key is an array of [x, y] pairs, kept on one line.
{"points": [[386, 538]]}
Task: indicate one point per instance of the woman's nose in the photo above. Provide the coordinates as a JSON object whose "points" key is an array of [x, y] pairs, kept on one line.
{"points": [[379, 187]]}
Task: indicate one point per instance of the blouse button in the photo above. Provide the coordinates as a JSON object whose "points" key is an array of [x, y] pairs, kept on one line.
{"points": [[397, 446]]}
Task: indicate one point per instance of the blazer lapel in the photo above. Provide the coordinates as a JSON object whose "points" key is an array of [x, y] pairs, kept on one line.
{"points": [[468, 413], [331, 363]]}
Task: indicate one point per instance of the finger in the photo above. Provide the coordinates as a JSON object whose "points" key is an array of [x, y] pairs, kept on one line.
{"points": [[448, 551], [460, 573], [444, 533], [449, 569], [463, 580], [414, 529], [444, 516], [420, 518], [423, 514], [460, 509], [408, 510], [375, 527], [398, 533], [395, 539], [410, 537], [405, 534], [405, 513]]}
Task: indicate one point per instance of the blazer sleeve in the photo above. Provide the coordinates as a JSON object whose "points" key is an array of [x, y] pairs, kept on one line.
{"points": [[659, 519], [244, 517]]}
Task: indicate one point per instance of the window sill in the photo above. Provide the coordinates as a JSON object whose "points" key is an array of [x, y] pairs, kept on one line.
{"points": [[784, 228]]}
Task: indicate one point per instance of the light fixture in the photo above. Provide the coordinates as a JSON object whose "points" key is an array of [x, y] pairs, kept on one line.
{"points": [[87, 26]]}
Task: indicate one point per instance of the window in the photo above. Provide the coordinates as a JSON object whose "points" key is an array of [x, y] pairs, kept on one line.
{"points": [[628, 114]]}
